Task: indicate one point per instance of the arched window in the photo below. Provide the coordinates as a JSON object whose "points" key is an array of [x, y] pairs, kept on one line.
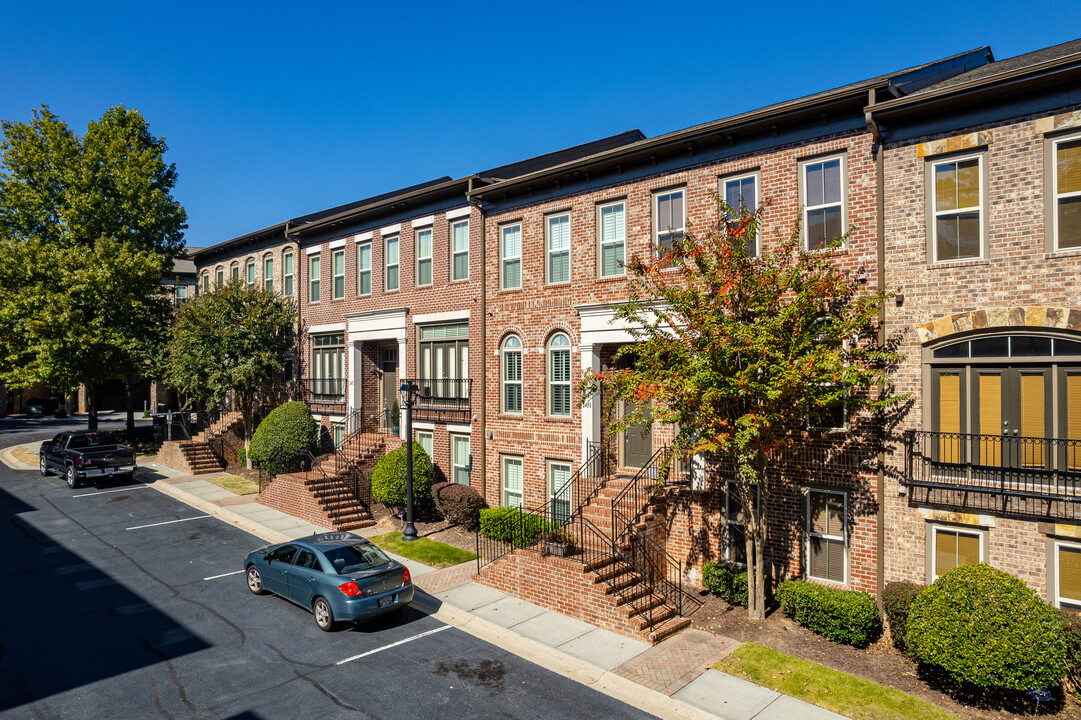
{"points": [[559, 375], [234, 272], [512, 374], [249, 273], [206, 282], [219, 276], [268, 271]]}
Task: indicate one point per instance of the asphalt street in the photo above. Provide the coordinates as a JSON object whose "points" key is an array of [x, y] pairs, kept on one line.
{"points": [[120, 602]]}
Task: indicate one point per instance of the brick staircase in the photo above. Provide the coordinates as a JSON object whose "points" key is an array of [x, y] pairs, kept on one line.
{"points": [[195, 456]]}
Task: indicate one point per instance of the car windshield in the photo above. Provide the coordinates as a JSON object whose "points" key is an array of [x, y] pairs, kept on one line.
{"points": [[353, 558]]}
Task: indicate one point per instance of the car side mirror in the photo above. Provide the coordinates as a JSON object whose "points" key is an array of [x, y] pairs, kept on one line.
{"points": [[268, 558]]}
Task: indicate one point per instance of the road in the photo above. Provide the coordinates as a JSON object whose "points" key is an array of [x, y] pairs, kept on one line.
{"points": [[121, 602]]}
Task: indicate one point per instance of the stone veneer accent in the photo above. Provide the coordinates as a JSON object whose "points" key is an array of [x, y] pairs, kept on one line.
{"points": [[1017, 316], [955, 143]]}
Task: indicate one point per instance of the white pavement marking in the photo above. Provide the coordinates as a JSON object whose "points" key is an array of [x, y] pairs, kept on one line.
{"points": [[167, 522], [215, 577], [140, 486], [388, 647]]}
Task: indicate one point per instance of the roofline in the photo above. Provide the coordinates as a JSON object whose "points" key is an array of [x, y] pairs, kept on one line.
{"points": [[239, 240]]}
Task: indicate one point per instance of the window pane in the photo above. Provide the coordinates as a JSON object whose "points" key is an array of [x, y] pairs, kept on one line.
{"points": [[1068, 166], [392, 278], [559, 267], [815, 192], [339, 263], [831, 181], [559, 236], [424, 272], [612, 223], [945, 186], [424, 243], [366, 282], [289, 264], [816, 229], [512, 241], [1069, 573], [461, 266], [1069, 222], [392, 251], [991, 347], [968, 183], [612, 259], [460, 233], [364, 257], [512, 273], [737, 544], [425, 440]]}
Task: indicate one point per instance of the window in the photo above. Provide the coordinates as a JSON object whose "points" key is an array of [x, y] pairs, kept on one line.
{"points": [[313, 290], [735, 532], [283, 554], [951, 547], [338, 258], [956, 199], [1067, 575], [510, 248], [391, 274], [268, 273], [1066, 192], [512, 375], [338, 432], [424, 257], [306, 559], [444, 360], [180, 292], [741, 193], [459, 248], [364, 269], [328, 365], [459, 459], [512, 481], [250, 273], [669, 220], [425, 439], [234, 272], [559, 375], [827, 545], [559, 475], [822, 194], [287, 274], [219, 277], [206, 283], [559, 248], [611, 234]]}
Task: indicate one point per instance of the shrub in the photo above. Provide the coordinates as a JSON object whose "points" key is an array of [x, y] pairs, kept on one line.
{"points": [[849, 617], [897, 599], [1071, 625], [388, 477], [285, 434], [558, 537], [460, 504], [513, 526], [987, 629], [729, 582]]}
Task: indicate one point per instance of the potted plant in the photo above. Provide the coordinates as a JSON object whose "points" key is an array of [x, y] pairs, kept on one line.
{"points": [[395, 416], [556, 542]]}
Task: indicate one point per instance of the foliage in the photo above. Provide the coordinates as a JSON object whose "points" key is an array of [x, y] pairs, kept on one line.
{"points": [[897, 600], [395, 414], [729, 582], [429, 552], [511, 525], [986, 628], [388, 477], [285, 434], [741, 353], [1071, 626], [849, 617], [558, 537], [460, 504]]}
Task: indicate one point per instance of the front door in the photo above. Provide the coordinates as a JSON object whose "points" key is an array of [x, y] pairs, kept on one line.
{"points": [[637, 440], [388, 393]]}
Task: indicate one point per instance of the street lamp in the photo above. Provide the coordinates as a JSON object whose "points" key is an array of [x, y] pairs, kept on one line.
{"points": [[409, 392]]}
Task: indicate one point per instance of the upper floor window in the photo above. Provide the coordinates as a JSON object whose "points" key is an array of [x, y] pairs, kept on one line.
{"points": [[338, 258], [1066, 214], [459, 248], [180, 294], [827, 545], [268, 273], [559, 375], [424, 257], [741, 193], [219, 276], [611, 238], [364, 269], [313, 278], [559, 248], [510, 246], [391, 279], [234, 272], [250, 273], [287, 274], [512, 374], [669, 213], [822, 194], [956, 208], [206, 283]]}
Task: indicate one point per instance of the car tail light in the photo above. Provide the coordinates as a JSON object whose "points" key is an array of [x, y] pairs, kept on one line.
{"points": [[406, 579], [350, 588]]}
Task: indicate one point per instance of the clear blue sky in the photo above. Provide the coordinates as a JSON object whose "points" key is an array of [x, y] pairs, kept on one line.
{"points": [[273, 110]]}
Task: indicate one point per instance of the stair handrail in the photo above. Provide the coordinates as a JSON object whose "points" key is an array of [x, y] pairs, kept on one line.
{"points": [[359, 484], [576, 490]]}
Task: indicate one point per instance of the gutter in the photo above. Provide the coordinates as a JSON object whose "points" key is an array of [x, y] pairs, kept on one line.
{"points": [[381, 205], [484, 340]]}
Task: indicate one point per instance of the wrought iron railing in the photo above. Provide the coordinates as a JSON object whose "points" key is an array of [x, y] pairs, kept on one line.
{"points": [[348, 465], [326, 395], [438, 397], [1028, 467]]}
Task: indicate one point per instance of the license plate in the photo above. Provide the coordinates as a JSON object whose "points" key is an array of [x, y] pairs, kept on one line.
{"points": [[384, 601], [110, 471]]}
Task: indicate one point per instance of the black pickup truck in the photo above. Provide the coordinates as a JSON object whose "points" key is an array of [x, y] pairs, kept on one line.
{"points": [[85, 455]]}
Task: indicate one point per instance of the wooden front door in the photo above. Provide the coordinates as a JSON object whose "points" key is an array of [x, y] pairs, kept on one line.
{"points": [[637, 440], [388, 392]]}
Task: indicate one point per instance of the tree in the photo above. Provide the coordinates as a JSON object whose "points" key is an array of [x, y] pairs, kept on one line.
{"points": [[235, 339], [742, 353], [87, 227]]}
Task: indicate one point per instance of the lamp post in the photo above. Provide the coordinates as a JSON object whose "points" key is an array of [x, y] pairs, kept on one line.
{"points": [[409, 391]]}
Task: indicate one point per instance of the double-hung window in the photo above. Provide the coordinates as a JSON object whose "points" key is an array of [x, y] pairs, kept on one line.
{"points": [[559, 375], [424, 257], [827, 544], [512, 374], [669, 220], [612, 238], [338, 258], [206, 283], [822, 194], [234, 272], [510, 250], [559, 475], [512, 481], [740, 194], [1067, 557], [459, 246], [364, 269], [268, 273], [426, 441], [952, 546], [1066, 192], [251, 273], [314, 263], [956, 208], [219, 277], [459, 459], [559, 248], [287, 274], [735, 530], [391, 254]]}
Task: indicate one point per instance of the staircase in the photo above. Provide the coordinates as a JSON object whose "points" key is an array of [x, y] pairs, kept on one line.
{"points": [[197, 456]]}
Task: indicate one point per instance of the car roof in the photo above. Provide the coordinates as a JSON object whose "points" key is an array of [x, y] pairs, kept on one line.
{"points": [[330, 540]]}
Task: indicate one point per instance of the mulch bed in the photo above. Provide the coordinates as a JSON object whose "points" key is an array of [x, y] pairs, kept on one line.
{"points": [[880, 662]]}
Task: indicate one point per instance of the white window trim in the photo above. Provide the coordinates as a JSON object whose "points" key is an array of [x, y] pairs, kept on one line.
{"points": [[655, 204], [504, 258], [503, 351], [1055, 196], [268, 278], [601, 243], [364, 237], [465, 252], [755, 175], [459, 213], [809, 533], [548, 465], [978, 532], [468, 467], [979, 209], [416, 251], [803, 165], [361, 271], [729, 488], [334, 275], [503, 479], [336, 244], [312, 279], [250, 276], [550, 384], [387, 265], [423, 222], [548, 248], [288, 275], [1072, 603]]}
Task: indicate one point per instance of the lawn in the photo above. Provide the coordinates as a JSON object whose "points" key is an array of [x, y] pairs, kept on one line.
{"points": [[235, 484], [429, 552], [828, 688]]}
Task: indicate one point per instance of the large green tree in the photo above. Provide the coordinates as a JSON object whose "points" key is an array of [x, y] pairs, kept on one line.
{"points": [[743, 354], [88, 226], [235, 339]]}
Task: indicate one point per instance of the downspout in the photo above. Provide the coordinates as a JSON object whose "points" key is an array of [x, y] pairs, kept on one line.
{"points": [[483, 415], [880, 230]]}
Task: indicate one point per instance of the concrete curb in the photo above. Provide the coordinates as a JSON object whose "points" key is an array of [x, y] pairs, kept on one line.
{"points": [[7, 456]]}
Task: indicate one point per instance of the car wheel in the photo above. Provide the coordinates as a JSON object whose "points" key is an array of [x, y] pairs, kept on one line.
{"points": [[43, 466], [255, 581], [72, 478], [324, 616]]}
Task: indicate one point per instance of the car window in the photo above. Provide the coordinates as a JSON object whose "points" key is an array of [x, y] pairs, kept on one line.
{"points": [[354, 558], [81, 441], [58, 438], [283, 554], [306, 559]]}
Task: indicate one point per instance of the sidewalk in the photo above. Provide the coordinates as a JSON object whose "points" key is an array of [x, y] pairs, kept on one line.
{"points": [[673, 679]]}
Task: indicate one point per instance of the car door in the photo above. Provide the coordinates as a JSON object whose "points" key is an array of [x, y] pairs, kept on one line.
{"points": [[53, 452], [304, 577], [278, 562]]}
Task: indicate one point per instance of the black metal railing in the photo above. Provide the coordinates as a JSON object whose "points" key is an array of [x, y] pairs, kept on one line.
{"points": [[439, 397], [324, 395], [1027, 467], [351, 455]]}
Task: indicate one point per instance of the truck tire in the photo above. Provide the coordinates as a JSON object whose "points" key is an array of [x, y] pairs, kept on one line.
{"points": [[72, 477], [43, 467]]}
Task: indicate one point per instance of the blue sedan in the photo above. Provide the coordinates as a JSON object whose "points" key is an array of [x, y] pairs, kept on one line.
{"points": [[338, 576]]}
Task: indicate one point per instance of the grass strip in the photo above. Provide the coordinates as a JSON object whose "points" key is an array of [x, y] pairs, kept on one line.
{"points": [[25, 456], [429, 552], [235, 484], [834, 690]]}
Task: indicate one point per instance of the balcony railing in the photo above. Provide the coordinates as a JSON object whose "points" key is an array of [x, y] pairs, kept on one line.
{"points": [[439, 398], [325, 395], [1010, 465]]}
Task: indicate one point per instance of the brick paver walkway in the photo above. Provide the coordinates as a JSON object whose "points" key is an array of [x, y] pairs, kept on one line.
{"points": [[439, 580], [670, 665]]}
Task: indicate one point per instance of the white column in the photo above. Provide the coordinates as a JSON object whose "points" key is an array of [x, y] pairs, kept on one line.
{"points": [[591, 410], [403, 375], [356, 379]]}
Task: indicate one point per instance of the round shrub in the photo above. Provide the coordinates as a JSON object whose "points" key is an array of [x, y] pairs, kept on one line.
{"points": [[460, 504], [986, 628], [388, 477], [285, 434], [729, 582], [849, 617], [511, 525], [897, 600]]}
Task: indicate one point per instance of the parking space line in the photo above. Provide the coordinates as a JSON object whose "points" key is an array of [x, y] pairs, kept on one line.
{"points": [[388, 647], [140, 486], [215, 577], [167, 522]]}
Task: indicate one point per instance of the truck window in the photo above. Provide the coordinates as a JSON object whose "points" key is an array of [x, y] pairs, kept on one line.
{"points": [[82, 441]]}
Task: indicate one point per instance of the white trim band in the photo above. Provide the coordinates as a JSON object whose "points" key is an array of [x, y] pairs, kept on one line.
{"points": [[363, 237], [390, 229], [334, 327], [441, 317], [337, 244], [459, 429], [459, 213], [313, 250], [423, 222]]}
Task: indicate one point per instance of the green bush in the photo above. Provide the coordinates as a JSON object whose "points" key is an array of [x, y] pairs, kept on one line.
{"points": [[849, 617], [460, 504], [285, 434], [987, 629], [388, 477], [510, 525], [1071, 625], [729, 582], [897, 600]]}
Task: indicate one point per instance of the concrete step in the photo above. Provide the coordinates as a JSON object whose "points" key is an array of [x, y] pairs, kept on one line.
{"points": [[668, 628]]}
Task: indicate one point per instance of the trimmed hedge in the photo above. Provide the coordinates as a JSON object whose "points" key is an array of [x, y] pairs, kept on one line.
{"points": [[729, 582], [986, 628], [460, 504], [849, 617], [285, 434], [1071, 626], [504, 523], [388, 477], [897, 600]]}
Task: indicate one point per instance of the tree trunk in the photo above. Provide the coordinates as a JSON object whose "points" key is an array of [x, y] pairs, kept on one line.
{"points": [[91, 408], [129, 404], [247, 410]]}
